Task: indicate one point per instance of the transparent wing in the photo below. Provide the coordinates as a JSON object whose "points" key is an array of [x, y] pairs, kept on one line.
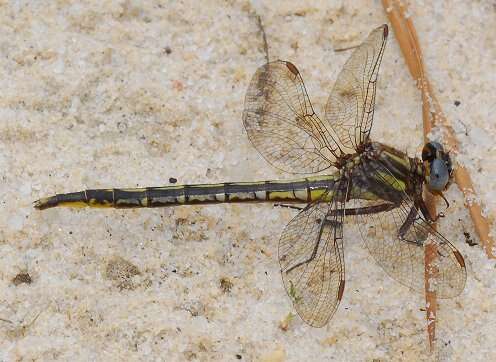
{"points": [[312, 261], [398, 237], [282, 124], [283, 127], [350, 107]]}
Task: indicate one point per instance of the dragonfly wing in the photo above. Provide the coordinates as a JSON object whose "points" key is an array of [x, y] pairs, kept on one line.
{"points": [[350, 107], [283, 127], [281, 123], [397, 238], [312, 260]]}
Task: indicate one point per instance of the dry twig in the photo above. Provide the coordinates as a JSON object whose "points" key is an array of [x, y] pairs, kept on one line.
{"points": [[433, 116], [413, 57]]}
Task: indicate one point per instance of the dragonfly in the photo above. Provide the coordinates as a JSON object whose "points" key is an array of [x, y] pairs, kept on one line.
{"points": [[346, 177]]}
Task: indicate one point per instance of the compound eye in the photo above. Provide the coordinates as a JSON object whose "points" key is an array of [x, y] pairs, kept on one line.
{"points": [[431, 151], [439, 175], [428, 152], [437, 146]]}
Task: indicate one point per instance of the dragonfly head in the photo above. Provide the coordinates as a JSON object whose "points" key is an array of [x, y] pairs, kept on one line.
{"points": [[438, 167]]}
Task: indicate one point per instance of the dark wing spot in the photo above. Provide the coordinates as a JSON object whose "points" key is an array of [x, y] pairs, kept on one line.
{"points": [[459, 258], [386, 31], [341, 290], [292, 68]]}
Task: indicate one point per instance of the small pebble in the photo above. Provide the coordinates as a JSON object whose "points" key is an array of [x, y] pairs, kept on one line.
{"points": [[22, 278]]}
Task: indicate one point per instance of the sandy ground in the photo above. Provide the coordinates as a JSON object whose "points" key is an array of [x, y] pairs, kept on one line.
{"points": [[130, 94]]}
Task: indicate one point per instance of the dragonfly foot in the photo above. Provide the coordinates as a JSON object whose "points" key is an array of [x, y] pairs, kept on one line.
{"points": [[438, 216]]}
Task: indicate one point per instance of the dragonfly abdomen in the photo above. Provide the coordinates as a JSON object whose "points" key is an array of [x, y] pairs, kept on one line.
{"points": [[299, 191]]}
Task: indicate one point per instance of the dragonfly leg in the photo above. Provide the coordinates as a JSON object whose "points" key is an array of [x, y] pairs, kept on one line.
{"points": [[410, 220], [425, 211], [407, 224], [366, 210], [333, 223], [351, 211], [289, 206], [314, 253]]}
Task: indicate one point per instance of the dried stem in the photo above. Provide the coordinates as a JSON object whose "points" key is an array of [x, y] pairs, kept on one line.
{"points": [[433, 115], [407, 39]]}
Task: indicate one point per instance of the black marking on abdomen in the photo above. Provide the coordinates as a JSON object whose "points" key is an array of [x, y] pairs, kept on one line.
{"points": [[186, 192], [226, 191], [160, 197], [70, 197], [100, 196], [129, 198]]}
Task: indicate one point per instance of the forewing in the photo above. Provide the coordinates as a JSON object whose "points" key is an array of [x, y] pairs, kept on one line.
{"points": [[312, 261], [281, 123], [350, 107], [397, 239]]}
